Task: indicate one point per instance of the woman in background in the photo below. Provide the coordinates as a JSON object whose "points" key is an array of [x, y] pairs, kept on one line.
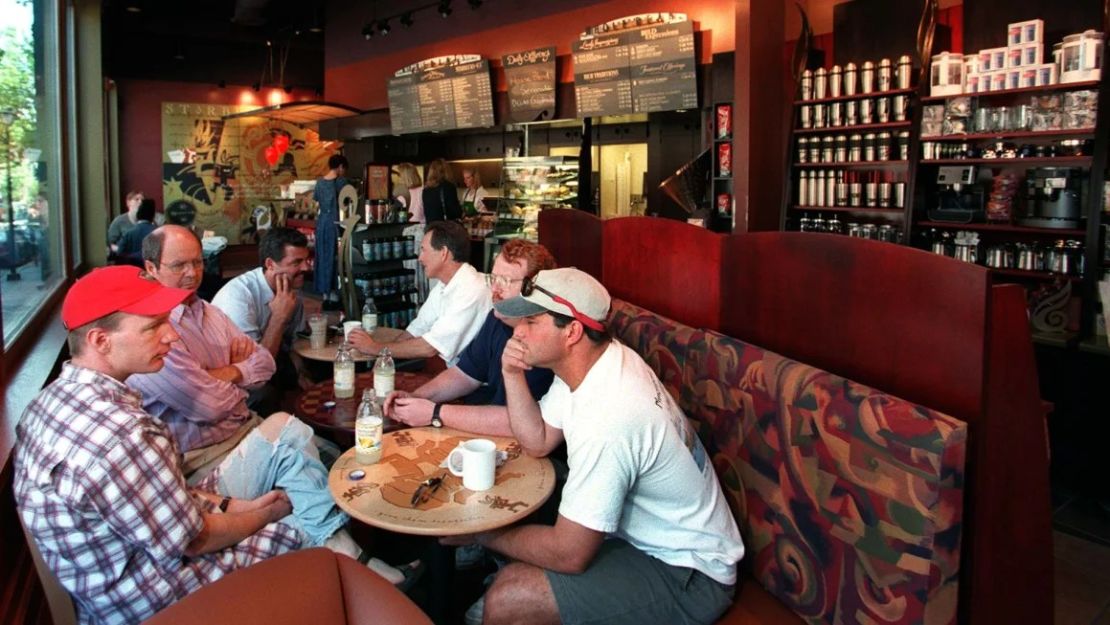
{"points": [[326, 195], [410, 191], [441, 198], [473, 192]]}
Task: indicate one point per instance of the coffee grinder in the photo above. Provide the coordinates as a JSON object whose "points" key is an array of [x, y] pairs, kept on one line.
{"points": [[1053, 197], [959, 197]]}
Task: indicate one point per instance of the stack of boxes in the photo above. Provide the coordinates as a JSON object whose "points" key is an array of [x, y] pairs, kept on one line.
{"points": [[1020, 64]]}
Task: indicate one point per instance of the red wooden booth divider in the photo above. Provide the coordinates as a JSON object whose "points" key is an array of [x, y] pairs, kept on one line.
{"points": [[929, 329]]}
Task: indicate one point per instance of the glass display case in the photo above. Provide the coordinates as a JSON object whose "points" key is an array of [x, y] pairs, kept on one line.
{"points": [[530, 184]]}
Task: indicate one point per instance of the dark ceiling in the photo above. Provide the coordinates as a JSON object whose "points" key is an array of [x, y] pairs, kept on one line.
{"points": [[215, 40]]}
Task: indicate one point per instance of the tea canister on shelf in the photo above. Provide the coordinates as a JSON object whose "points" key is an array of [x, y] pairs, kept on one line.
{"points": [[867, 77], [851, 78], [836, 78], [905, 71], [807, 84], [820, 83], [885, 74]]}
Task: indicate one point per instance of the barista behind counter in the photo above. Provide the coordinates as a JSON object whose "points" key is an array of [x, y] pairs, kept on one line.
{"points": [[472, 193]]}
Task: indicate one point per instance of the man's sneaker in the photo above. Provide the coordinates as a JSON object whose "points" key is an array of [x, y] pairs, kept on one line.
{"points": [[473, 614], [469, 556]]}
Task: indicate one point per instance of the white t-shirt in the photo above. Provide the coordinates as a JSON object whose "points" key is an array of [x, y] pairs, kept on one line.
{"points": [[637, 469], [454, 313], [473, 195], [246, 301]]}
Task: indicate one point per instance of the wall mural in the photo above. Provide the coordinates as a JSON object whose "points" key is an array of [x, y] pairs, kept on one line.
{"points": [[217, 172]]}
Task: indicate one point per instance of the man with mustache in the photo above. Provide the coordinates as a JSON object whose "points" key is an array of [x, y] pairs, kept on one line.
{"points": [[265, 303]]}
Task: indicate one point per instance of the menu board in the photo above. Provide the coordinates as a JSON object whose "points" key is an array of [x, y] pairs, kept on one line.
{"points": [[641, 70], [441, 98], [531, 79]]}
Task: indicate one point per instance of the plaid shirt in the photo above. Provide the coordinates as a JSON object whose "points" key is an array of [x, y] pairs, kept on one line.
{"points": [[98, 483]]}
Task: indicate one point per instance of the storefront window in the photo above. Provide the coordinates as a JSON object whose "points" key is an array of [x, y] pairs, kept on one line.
{"points": [[31, 250]]}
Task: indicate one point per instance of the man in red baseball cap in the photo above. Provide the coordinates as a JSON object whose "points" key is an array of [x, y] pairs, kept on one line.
{"points": [[98, 481]]}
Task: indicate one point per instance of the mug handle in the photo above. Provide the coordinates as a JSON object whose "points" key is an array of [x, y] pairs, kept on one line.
{"points": [[451, 462]]}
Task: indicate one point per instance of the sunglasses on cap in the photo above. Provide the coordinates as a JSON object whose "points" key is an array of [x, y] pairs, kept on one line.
{"points": [[529, 286]]}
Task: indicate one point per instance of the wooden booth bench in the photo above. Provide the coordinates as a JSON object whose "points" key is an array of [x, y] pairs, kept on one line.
{"points": [[872, 411]]}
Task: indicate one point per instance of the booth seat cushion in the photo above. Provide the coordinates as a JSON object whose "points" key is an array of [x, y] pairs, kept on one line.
{"points": [[849, 499], [661, 342]]}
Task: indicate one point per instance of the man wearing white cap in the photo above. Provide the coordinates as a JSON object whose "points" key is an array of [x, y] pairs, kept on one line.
{"points": [[644, 533]]}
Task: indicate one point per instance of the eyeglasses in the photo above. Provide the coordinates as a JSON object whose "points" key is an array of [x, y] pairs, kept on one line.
{"points": [[426, 489], [180, 266], [493, 279], [528, 286]]}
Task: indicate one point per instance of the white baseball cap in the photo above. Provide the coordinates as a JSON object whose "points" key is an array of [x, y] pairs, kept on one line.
{"points": [[567, 291]]}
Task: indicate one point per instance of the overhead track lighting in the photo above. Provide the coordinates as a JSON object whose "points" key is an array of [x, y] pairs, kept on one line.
{"points": [[368, 32], [474, 4], [406, 20], [383, 27], [445, 9]]}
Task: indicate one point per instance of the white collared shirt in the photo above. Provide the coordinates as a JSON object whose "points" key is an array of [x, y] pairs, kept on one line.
{"points": [[454, 313]]}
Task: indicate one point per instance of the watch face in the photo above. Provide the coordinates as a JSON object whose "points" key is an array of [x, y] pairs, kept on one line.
{"points": [[437, 422]]}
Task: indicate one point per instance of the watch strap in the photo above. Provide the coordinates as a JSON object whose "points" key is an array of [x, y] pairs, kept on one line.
{"points": [[437, 421], [224, 503]]}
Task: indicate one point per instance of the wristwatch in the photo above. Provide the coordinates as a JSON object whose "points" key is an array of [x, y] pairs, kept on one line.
{"points": [[436, 421], [224, 503]]}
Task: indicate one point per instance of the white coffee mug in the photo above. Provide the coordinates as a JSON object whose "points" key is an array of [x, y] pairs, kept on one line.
{"points": [[474, 461]]}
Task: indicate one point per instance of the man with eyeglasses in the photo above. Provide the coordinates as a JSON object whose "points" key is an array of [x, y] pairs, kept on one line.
{"points": [[201, 393], [456, 306], [477, 375], [644, 534]]}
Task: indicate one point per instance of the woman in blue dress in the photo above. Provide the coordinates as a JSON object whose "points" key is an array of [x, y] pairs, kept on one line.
{"points": [[326, 195]]}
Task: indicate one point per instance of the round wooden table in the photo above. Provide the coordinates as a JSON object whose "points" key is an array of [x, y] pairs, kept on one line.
{"points": [[312, 405], [383, 497], [303, 347]]}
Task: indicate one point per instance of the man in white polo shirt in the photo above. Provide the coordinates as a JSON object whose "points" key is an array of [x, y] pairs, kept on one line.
{"points": [[644, 533], [456, 307]]}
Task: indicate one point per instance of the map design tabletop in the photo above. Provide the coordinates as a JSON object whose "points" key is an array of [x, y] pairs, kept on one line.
{"points": [[382, 498]]}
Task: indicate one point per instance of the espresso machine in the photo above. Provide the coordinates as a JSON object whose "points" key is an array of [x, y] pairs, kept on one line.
{"points": [[1053, 197], [959, 197]]}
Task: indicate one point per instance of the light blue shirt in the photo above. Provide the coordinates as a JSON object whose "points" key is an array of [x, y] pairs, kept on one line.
{"points": [[246, 301]]}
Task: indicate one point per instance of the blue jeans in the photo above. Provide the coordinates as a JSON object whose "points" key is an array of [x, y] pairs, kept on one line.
{"points": [[258, 465]]}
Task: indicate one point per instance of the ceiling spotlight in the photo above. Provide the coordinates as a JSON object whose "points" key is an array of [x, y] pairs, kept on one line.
{"points": [[269, 43], [383, 27], [368, 31], [406, 20], [474, 4], [133, 7], [445, 9], [315, 28]]}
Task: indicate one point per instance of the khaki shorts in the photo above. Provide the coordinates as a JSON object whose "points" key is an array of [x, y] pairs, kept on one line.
{"points": [[198, 463], [626, 586]]}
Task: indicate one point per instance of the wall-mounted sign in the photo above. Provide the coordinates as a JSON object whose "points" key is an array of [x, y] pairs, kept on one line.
{"points": [[443, 93], [531, 79], [637, 64]]}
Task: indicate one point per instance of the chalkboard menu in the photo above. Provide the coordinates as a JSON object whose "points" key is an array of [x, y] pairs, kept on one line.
{"points": [[636, 71], [441, 98], [531, 78]]}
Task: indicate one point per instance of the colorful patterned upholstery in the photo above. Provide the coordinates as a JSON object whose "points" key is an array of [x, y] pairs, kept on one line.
{"points": [[849, 499], [661, 342]]}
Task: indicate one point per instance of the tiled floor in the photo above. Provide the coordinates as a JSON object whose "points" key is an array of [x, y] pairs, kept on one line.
{"points": [[1081, 545]]}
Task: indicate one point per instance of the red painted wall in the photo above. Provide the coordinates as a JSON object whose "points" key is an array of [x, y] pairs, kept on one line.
{"points": [[140, 124], [363, 84]]}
